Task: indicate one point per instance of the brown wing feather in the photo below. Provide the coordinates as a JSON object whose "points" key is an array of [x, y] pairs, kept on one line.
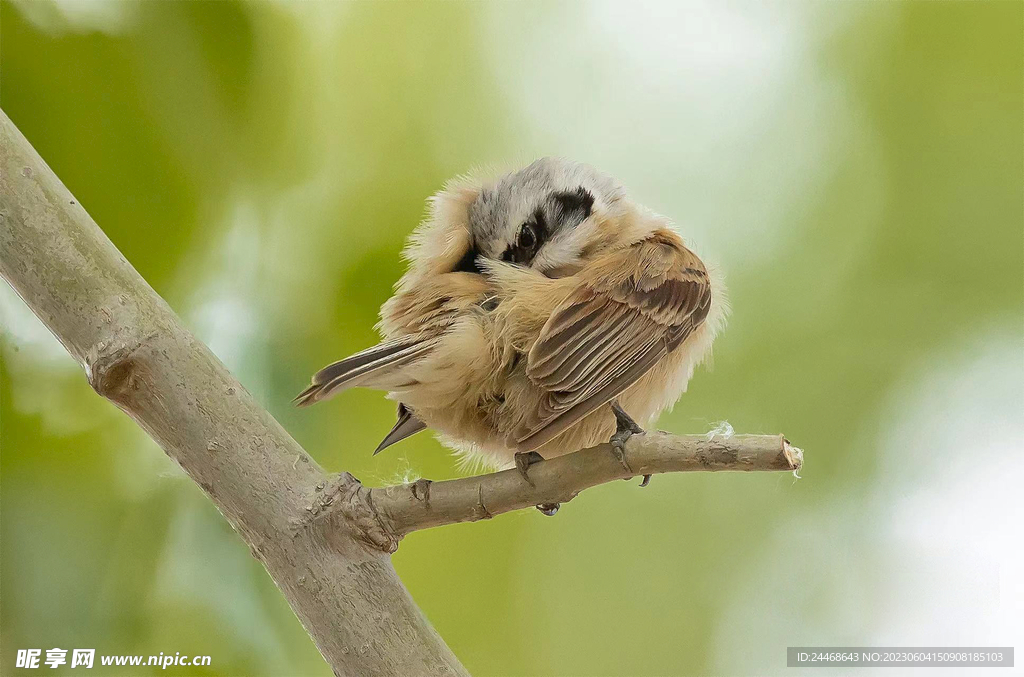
{"points": [[630, 309]]}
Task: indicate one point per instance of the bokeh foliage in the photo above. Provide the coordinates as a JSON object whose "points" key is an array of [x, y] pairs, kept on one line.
{"points": [[856, 168]]}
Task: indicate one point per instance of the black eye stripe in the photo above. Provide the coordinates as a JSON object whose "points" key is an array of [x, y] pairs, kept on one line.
{"points": [[576, 201], [565, 208], [541, 221], [467, 264]]}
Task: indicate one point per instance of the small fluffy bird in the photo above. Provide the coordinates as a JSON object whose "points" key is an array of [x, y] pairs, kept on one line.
{"points": [[542, 312]]}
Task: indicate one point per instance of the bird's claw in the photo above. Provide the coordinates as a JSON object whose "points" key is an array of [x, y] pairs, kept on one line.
{"points": [[524, 459], [549, 509], [625, 427], [618, 443]]}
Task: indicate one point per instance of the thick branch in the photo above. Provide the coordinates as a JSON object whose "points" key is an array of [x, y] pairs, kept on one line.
{"points": [[409, 507], [138, 355]]}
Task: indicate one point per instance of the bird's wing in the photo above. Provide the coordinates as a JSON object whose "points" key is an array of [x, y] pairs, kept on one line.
{"points": [[629, 310], [368, 367]]}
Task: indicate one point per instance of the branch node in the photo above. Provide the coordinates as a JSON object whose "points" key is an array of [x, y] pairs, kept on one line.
{"points": [[421, 491], [483, 513], [112, 368], [344, 495]]}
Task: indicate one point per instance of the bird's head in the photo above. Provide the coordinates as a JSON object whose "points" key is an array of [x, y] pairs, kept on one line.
{"points": [[548, 216], [552, 216]]}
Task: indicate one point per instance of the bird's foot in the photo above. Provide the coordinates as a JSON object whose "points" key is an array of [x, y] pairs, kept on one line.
{"points": [[524, 459], [625, 427]]}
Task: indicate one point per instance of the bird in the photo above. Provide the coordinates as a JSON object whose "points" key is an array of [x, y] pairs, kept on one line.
{"points": [[543, 311]]}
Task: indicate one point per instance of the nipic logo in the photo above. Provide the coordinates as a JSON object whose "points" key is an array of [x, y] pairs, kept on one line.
{"points": [[56, 657], [85, 658]]}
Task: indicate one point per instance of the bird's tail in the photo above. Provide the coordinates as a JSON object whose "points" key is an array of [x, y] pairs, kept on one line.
{"points": [[376, 367]]}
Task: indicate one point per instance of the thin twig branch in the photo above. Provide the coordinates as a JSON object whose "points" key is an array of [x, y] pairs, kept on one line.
{"points": [[405, 508]]}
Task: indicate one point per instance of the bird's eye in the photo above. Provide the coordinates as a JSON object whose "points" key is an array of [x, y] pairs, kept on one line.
{"points": [[527, 237]]}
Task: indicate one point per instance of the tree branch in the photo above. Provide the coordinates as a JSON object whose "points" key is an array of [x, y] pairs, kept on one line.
{"points": [[405, 508], [137, 354]]}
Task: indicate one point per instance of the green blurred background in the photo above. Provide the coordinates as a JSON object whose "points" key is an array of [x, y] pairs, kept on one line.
{"points": [[856, 168]]}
